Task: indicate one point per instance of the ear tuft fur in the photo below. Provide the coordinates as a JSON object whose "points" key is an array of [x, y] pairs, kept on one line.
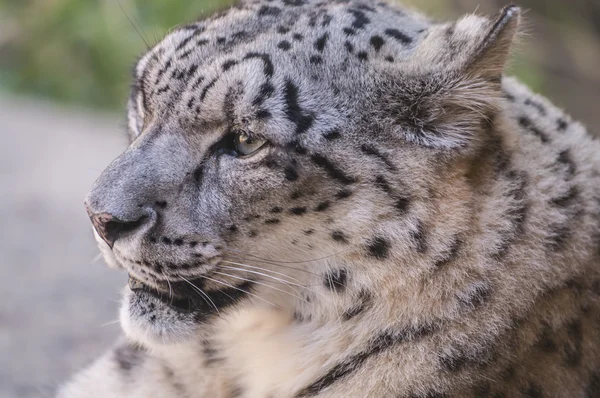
{"points": [[451, 86]]}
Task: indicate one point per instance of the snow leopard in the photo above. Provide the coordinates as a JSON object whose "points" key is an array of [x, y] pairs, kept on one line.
{"points": [[347, 199]]}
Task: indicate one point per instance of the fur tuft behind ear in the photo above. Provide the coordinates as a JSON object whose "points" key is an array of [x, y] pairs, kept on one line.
{"points": [[452, 83]]}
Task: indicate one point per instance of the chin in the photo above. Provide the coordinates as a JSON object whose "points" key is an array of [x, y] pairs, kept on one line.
{"points": [[153, 321]]}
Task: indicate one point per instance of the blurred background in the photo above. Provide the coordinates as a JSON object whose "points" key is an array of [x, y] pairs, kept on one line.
{"points": [[64, 76]]}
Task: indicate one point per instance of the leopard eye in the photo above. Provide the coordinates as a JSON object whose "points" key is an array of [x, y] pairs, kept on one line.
{"points": [[246, 144]]}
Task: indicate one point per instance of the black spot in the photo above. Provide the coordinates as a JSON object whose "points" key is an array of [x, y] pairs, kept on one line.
{"points": [[533, 391], [378, 247], [364, 300], [276, 209], [293, 3], [309, 231], [558, 236], [284, 45], [282, 29], [566, 199], [293, 110], [360, 19], [565, 159], [419, 238], [272, 221], [166, 240], [290, 173], [295, 195], [206, 88], [332, 135], [450, 254], [221, 40], [561, 124], [263, 114], [316, 60], [402, 204], [343, 194], [321, 41], [389, 58], [453, 363], [536, 105], [526, 124], [475, 296], [362, 55], [377, 42], [228, 64], [372, 151], [178, 242], [233, 228], [401, 37], [268, 65], [593, 388], [339, 236], [253, 233], [267, 10], [573, 347], [297, 37], [383, 184], [266, 90], [161, 203], [349, 31], [322, 206], [336, 280], [184, 42], [298, 211], [546, 342], [331, 169], [128, 357], [349, 46]]}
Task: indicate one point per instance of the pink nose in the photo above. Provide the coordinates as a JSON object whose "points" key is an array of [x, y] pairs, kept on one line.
{"points": [[110, 228]]}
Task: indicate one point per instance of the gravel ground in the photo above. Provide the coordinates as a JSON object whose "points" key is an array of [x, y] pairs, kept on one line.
{"points": [[56, 304]]}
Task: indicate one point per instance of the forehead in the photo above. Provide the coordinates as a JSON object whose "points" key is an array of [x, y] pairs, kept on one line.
{"points": [[269, 43], [290, 26]]}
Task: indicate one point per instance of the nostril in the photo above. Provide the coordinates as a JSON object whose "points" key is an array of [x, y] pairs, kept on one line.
{"points": [[111, 228], [116, 229]]}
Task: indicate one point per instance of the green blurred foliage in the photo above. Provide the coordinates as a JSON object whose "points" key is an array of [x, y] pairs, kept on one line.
{"points": [[81, 51]]}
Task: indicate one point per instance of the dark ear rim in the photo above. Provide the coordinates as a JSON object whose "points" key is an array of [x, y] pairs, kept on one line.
{"points": [[509, 15], [495, 47]]}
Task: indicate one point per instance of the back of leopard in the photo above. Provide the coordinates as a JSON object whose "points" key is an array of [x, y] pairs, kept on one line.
{"points": [[344, 199]]}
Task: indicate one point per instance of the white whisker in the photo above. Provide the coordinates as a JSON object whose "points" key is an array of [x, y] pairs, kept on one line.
{"points": [[201, 292], [262, 284], [241, 290]]}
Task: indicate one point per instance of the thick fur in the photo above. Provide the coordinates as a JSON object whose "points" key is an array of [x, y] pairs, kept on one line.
{"points": [[417, 225]]}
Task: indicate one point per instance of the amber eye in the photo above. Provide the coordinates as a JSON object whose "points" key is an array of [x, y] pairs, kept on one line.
{"points": [[246, 144]]}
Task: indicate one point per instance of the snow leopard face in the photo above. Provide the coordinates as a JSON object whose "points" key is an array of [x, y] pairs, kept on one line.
{"points": [[284, 145]]}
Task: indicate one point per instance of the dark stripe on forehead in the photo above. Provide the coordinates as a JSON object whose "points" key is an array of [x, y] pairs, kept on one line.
{"points": [[293, 111], [331, 169], [268, 68]]}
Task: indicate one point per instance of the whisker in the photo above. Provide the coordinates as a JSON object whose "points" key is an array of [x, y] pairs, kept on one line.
{"points": [[279, 265], [260, 273], [201, 292], [110, 323], [132, 24], [289, 262], [262, 269], [168, 283], [96, 258], [262, 284], [241, 290]]}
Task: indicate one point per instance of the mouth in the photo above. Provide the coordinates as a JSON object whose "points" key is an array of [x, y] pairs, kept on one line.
{"points": [[177, 295]]}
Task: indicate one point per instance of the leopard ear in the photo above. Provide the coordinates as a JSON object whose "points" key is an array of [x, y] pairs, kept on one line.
{"points": [[474, 45], [452, 82]]}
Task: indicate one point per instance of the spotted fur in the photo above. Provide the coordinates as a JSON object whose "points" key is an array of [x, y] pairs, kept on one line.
{"points": [[416, 225]]}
